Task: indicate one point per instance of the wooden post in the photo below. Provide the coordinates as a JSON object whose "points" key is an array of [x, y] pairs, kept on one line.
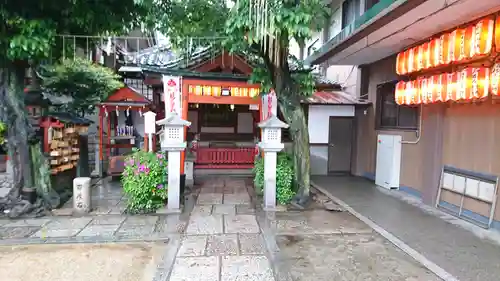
{"points": [[108, 148], [185, 108], [101, 128]]}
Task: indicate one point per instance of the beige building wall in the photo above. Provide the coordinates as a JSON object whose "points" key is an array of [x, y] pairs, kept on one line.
{"points": [[470, 137], [365, 158]]}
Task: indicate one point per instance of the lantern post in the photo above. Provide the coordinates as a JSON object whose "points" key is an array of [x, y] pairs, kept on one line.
{"points": [[173, 141], [271, 144]]}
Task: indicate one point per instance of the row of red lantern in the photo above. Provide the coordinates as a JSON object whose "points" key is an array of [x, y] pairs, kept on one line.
{"points": [[461, 44], [467, 84]]}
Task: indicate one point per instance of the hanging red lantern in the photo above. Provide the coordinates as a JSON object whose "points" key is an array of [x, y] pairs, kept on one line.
{"points": [[399, 95], [401, 63], [483, 36], [420, 57], [451, 86], [467, 43], [434, 53], [423, 89], [458, 41], [419, 93], [495, 79], [439, 88], [411, 93], [445, 48], [497, 34], [410, 60], [463, 89], [479, 82]]}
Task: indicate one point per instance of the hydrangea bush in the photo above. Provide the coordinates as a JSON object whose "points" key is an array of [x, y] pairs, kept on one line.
{"points": [[144, 181]]}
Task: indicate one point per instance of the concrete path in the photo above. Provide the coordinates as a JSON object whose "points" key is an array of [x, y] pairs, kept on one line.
{"points": [[453, 248]]}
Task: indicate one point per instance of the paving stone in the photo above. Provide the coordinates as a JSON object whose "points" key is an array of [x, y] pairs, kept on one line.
{"points": [[105, 220], [62, 212], [67, 223], [56, 233], [245, 209], [205, 225], [209, 198], [237, 198], [135, 230], [222, 245], [251, 244], [17, 232], [241, 224], [99, 230], [195, 268], [118, 210], [224, 209], [192, 246], [27, 222], [246, 268], [100, 211], [140, 220], [203, 210]]}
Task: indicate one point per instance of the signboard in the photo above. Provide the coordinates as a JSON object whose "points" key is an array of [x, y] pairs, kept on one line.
{"points": [[269, 105], [172, 94]]}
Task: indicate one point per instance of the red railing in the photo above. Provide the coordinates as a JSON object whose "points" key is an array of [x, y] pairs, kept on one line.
{"points": [[224, 158]]}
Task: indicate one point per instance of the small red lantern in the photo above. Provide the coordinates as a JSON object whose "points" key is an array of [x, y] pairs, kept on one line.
{"points": [[446, 49], [420, 57], [410, 60], [457, 42], [495, 80], [439, 90], [401, 63], [483, 36], [399, 95], [497, 34], [423, 89], [434, 53], [451, 86], [463, 91]]}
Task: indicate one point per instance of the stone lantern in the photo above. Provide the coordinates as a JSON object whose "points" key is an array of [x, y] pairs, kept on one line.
{"points": [[271, 144], [173, 142]]}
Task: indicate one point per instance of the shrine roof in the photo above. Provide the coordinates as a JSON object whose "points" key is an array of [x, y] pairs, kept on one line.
{"points": [[163, 60], [334, 98], [127, 95], [66, 117]]}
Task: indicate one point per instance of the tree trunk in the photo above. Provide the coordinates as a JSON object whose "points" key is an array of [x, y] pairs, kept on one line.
{"points": [[295, 117], [13, 114], [293, 112]]}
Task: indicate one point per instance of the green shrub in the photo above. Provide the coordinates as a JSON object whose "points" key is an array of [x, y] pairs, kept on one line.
{"points": [[284, 177], [144, 181]]}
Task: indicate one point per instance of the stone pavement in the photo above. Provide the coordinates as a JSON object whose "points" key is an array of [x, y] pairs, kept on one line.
{"points": [[223, 235], [431, 233], [229, 238]]}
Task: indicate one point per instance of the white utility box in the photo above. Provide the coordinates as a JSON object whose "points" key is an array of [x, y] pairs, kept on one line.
{"points": [[388, 166]]}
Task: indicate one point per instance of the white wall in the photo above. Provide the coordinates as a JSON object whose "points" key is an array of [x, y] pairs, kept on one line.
{"points": [[319, 116]]}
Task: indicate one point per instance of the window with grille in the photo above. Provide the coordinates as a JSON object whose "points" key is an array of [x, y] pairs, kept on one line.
{"points": [[390, 115]]}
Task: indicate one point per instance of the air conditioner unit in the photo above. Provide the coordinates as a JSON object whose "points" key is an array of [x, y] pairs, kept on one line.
{"points": [[388, 164]]}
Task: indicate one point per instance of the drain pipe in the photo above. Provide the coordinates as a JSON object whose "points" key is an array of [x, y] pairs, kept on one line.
{"points": [[419, 129]]}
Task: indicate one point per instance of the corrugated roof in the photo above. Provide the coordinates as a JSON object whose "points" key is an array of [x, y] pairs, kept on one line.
{"points": [[334, 97]]}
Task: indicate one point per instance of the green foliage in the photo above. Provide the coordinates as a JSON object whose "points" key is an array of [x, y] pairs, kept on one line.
{"points": [[284, 177], [144, 181], [3, 131], [85, 82], [28, 30]]}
